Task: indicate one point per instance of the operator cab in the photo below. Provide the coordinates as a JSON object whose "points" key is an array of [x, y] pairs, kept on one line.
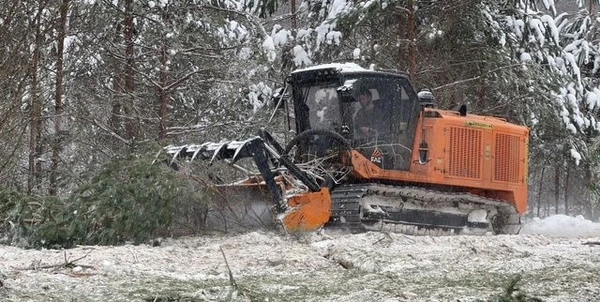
{"points": [[329, 97]]}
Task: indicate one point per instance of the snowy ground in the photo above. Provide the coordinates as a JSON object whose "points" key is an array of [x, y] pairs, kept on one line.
{"points": [[554, 257]]}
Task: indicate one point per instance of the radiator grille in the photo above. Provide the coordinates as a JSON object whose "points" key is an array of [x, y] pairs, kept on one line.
{"points": [[465, 152], [507, 153]]}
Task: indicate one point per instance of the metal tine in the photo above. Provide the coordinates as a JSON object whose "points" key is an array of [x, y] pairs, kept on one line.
{"points": [[174, 149], [237, 144], [201, 148], [240, 145], [177, 150], [218, 150], [212, 151], [175, 153]]}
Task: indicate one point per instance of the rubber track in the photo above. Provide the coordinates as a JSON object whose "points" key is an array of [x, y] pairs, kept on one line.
{"points": [[346, 208]]}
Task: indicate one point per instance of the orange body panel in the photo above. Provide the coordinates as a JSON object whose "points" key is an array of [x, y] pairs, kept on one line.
{"points": [[309, 211], [483, 155]]}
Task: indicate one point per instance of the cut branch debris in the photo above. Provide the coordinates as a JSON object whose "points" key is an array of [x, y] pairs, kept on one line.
{"points": [[231, 279], [591, 243], [67, 264]]}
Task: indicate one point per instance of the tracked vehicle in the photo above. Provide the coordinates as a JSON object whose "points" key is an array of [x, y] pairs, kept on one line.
{"points": [[417, 170]]}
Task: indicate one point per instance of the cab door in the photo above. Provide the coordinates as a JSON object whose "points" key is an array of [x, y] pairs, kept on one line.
{"points": [[397, 106]]}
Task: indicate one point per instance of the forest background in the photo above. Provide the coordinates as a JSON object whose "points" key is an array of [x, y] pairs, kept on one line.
{"points": [[93, 89]]}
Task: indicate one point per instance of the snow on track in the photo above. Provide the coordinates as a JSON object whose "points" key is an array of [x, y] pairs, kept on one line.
{"points": [[315, 267]]}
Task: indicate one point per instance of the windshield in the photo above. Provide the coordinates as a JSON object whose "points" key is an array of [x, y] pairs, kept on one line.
{"points": [[323, 105]]}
